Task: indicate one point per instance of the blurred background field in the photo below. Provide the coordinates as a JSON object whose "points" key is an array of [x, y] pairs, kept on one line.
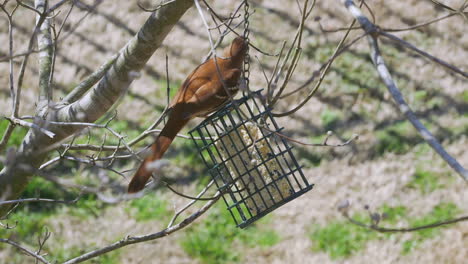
{"points": [[389, 168]]}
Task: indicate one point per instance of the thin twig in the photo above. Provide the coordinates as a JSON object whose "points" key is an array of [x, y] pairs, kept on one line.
{"points": [[113, 148], [150, 130], [395, 92], [29, 200], [154, 8], [419, 25], [408, 229], [25, 250], [324, 65], [423, 53], [14, 109], [138, 239], [322, 76], [213, 51], [197, 198], [56, 41], [41, 240], [295, 59], [180, 211], [24, 63], [323, 144], [89, 10], [29, 7], [232, 29], [228, 27], [104, 126], [20, 122], [57, 5]]}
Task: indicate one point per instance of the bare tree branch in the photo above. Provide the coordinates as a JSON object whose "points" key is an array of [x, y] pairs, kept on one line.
{"points": [[295, 58], [408, 229], [138, 239], [29, 200], [375, 219], [6, 136], [14, 109], [45, 45], [423, 53], [322, 76], [317, 72], [79, 110], [395, 92], [41, 240], [90, 81], [94, 104], [181, 210], [424, 24], [35, 126], [323, 144], [154, 8], [25, 250]]}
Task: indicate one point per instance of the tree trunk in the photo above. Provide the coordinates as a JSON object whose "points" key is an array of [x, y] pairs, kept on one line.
{"points": [[132, 58]]}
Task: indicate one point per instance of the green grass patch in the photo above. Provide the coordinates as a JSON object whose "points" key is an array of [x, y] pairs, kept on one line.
{"points": [[16, 137], [88, 205], [420, 95], [149, 207], [392, 214], [351, 81], [266, 238], [422, 150], [462, 128], [184, 152], [441, 212], [330, 118], [161, 90], [464, 96], [32, 217], [421, 98], [308, 157], [397, 138], [434, 103], [39, 187], [342, 239], [425, 181], [28, 224], [218, 240], [30, 220]]}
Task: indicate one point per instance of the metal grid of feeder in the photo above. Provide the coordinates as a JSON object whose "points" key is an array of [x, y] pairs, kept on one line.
{"points": [[252, 166]]}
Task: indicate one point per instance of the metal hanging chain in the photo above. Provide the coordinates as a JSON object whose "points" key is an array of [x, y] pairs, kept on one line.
{"points": [[246, 37]]}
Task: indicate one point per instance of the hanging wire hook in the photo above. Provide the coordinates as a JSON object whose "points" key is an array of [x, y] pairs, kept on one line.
{"points": [[246, 37]]}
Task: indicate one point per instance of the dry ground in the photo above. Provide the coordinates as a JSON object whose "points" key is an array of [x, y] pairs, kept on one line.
{"points": [[357, 172]]}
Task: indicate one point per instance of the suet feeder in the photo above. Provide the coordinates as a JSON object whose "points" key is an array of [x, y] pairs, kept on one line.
{"points": [[252, 165]]}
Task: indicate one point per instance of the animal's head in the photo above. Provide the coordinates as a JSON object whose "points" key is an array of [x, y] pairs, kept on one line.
{"points": [[237, 49]]}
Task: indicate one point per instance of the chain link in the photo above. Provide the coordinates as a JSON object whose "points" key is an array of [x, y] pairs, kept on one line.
{"points": [[246, 37]]}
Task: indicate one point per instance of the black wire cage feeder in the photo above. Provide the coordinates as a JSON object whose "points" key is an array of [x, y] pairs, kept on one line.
{"points": [[252, 165]]}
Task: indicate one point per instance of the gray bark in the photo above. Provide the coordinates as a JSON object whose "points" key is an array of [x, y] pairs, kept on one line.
{"points": [[95, 103]]}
